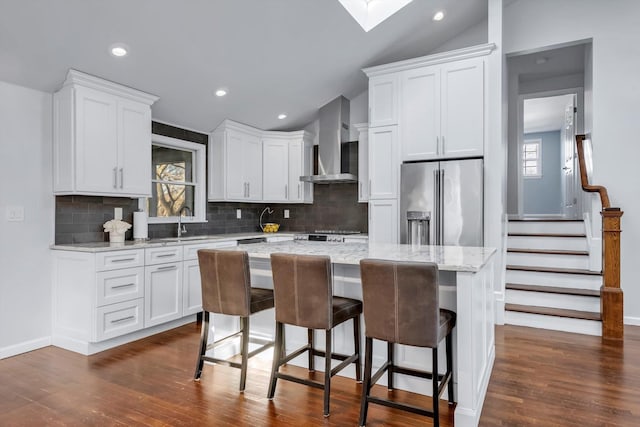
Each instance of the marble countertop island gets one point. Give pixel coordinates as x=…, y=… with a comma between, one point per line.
x=449, y=258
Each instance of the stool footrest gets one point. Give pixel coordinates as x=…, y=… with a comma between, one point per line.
x=299, y=380
x=403, y=406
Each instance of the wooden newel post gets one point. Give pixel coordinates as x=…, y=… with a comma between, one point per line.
x=611, y=297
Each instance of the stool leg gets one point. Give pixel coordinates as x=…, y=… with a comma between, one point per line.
x=356, y=340
x=312, y=357
x=390, y=358
x=434, y=382
x=327, y=372
x=278, y=354
x=244, y=346
x=366, y=385
x=449, y=348
x=204, y=336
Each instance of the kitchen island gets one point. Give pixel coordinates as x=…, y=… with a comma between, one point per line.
x=466, y=278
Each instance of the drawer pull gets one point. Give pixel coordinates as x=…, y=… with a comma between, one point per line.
x=123, y=260
x=123, y=319
x=168, y=267
x=165, y=255
x=122, y=286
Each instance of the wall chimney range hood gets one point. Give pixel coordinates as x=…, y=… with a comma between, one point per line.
x=336, y=163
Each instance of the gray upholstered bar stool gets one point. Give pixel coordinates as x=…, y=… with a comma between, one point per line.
x=226, y=289
x=303, y=288
x=401, y=306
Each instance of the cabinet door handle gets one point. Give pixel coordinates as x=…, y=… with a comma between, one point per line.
x=115, y=177
x=121, y=177
x=286, y=192
x=123, y=319
x=123, y=260
x=248, y=189
x=442, y=144
x=369, y=187
x=126, y=285
x=164, y=255
x=437, y=145
x=166, y=267
x=360, y=190
x=299, y=185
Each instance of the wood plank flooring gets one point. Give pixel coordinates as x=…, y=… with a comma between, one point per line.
x=541, y=378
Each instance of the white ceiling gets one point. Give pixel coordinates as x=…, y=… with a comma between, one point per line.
x=545, y=114
x=273, y=56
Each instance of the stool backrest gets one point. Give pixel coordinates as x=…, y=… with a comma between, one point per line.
x=400, y=301
x=302, y=290
x=226, y=281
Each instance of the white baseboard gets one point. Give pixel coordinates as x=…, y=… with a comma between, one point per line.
x=633, y=321
x=24, y=347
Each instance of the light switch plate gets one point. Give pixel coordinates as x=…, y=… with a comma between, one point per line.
x=15, y=213
x=286, y=213
x=239, y=213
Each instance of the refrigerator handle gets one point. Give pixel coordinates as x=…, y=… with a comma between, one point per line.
x=441, y=213
x=436, y=203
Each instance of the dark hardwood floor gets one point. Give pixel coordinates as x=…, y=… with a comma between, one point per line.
x=540, y=378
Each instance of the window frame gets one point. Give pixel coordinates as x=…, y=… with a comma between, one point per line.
x=538, y=143
x=199, y=180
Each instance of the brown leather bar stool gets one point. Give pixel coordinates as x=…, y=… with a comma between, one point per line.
x=303, y=288
x=226, y=289
x=401, y=306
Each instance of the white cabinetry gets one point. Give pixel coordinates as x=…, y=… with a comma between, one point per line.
x=383, y=162
x=163, y=285
x=383, y=221
x=102, y=138
x=383, y=100
x=442, y=111
x=247, y=164
x=363, y=161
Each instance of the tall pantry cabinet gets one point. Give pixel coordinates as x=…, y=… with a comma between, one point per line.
x=421, y=109
x=102, y=138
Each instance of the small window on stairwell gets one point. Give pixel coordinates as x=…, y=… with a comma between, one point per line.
x=532, y=159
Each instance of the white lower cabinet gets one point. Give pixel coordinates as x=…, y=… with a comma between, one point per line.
x=191, y=288
x=118, y=319
x=383, y=221
x=162, y=293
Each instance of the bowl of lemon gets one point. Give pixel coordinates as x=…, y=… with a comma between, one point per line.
x=270, y=227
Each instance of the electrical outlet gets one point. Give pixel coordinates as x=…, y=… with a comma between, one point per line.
x=286, y=213
x=239, y=213
x=15, y=213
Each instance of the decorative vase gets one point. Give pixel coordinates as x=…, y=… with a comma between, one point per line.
x=115, y=237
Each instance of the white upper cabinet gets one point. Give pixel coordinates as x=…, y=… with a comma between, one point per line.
x=442, y=111
x=463, y=108
x=383, y=162
x=247, y=164
x=102, y=138
x=275, y=167
x=383, y=100
x=235, y=164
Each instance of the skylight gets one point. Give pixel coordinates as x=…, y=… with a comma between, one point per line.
x=369, y=13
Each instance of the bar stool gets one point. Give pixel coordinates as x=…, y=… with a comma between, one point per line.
x=401, y=306
x=303, y=289
x=226, y=289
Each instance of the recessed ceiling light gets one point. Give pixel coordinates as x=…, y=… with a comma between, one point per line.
x=282, y=116
x=541, y=60
x=438, y=16
x=221, y=92
x=119, y=49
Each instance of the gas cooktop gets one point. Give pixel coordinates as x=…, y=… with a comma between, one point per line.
x=326, y=235
x=343, y=232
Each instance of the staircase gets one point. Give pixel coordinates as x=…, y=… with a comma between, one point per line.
x=548, y=283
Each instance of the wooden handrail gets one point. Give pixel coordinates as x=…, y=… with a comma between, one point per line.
x=611, y=296
x=584, y=179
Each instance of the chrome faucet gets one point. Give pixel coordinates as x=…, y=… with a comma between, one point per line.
x=181, y=226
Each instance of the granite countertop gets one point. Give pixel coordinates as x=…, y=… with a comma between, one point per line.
x=152, y=243
x=450, y=258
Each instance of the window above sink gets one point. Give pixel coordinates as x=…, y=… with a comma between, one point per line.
x=178, y=180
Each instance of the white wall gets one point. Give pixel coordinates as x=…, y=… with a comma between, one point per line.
x=25, y=263
x=470, y=37
x=613, y=26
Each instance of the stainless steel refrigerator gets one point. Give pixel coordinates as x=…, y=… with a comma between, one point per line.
x=450, y=192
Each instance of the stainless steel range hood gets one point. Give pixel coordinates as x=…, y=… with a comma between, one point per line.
x=334, y=163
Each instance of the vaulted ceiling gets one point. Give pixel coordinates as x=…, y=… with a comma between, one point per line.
x=273, y=56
